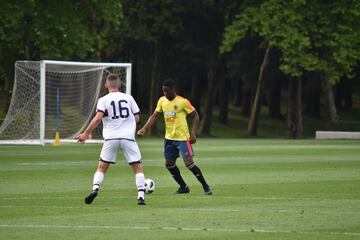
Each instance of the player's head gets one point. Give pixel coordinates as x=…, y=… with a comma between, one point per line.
x=168, y=88
x=112, y=82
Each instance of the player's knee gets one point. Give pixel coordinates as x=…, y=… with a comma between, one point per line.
x=137, y=167
x=170, y=163
x=169, y=166
x=189, y=164
x=103, y=166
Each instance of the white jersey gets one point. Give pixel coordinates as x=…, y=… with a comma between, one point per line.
x=119, y=110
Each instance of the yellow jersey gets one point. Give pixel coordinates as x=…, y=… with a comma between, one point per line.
x=175, y=112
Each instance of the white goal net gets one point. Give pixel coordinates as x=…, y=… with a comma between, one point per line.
x=56, y=96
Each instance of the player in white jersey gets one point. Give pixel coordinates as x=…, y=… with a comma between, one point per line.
x=119, y=114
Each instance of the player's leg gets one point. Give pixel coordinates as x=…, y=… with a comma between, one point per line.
x=187, y=154
x=133, y=156
x=198, y=174
x=107, y=156
x=175, y=173
x=139, y=181
x=100, y=174
x=97, y=180
x=171, y=153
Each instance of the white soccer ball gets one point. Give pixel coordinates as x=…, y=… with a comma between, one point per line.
x=149, y=185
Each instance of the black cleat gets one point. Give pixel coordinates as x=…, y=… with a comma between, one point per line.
x=208, y=191
x=90, y=198
x=141, y=201
x=183, y=190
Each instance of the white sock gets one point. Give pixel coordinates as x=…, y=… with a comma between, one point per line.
x=140, y=184
x=98, y=179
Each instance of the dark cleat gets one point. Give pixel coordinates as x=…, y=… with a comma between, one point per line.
x=141, y=201
x=208, y=191
x=183, y=190
x=90, y=198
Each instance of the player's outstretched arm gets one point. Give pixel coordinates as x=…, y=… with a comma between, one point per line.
x=149, y=123
x=94, y=122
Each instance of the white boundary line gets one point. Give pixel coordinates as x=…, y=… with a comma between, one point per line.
x=113, y=227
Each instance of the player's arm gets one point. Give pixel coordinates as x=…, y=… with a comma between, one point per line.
x=135, y=109
x=94, y=122
x=194, y=125
x=137, y=117
x=149, y=123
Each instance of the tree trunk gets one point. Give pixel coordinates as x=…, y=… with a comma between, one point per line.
x=7, y=93
x=329, y=97
x=275, y=102
x=343, y=94
x=312, y=92
x=294, y=119
x=348, y=92
x=205, y=125
x=195, y=98
x=133, y=58
x=255, y=112
x=224, y=94
x=246, y=102
x=154, y=86
x=238, y=92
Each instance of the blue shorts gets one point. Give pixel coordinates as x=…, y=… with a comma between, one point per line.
x=172, y=148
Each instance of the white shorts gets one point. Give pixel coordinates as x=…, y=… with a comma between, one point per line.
x=129, y=148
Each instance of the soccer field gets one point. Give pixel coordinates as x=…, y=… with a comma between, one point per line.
x=263, y=189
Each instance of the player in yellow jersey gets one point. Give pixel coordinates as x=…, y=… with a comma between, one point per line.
x=175, y=109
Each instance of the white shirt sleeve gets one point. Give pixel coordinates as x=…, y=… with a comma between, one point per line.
x=101, y=105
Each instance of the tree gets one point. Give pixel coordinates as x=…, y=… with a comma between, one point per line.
x=154, y=23
x=274, y=83
x=294, y=121
x=215, y=14
x=311, y=36
x=255, y=112
x=312, y=94
x=36, y=30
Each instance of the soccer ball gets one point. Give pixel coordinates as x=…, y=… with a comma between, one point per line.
x=149, y=185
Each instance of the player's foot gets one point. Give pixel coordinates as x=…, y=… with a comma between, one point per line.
x=141, y=201
x=208, y=191
x=183, y=190
x=90, y=198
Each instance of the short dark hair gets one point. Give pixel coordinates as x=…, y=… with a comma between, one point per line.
x=113, y=80
x=169, y=83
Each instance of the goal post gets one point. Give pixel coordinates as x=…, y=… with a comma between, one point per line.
x=56, y=96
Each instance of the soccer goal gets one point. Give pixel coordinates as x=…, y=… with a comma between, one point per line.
x=56, y=97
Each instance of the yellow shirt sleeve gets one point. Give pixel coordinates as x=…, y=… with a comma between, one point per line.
x=158, y=106
x=188, y=108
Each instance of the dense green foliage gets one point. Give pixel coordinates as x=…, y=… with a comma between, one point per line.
x=263, y=189
x=213, y=49
x=57, y=30
x=311, y=35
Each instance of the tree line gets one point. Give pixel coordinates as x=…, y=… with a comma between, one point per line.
x=244, y=51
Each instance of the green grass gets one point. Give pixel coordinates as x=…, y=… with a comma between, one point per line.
x=263, y=189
